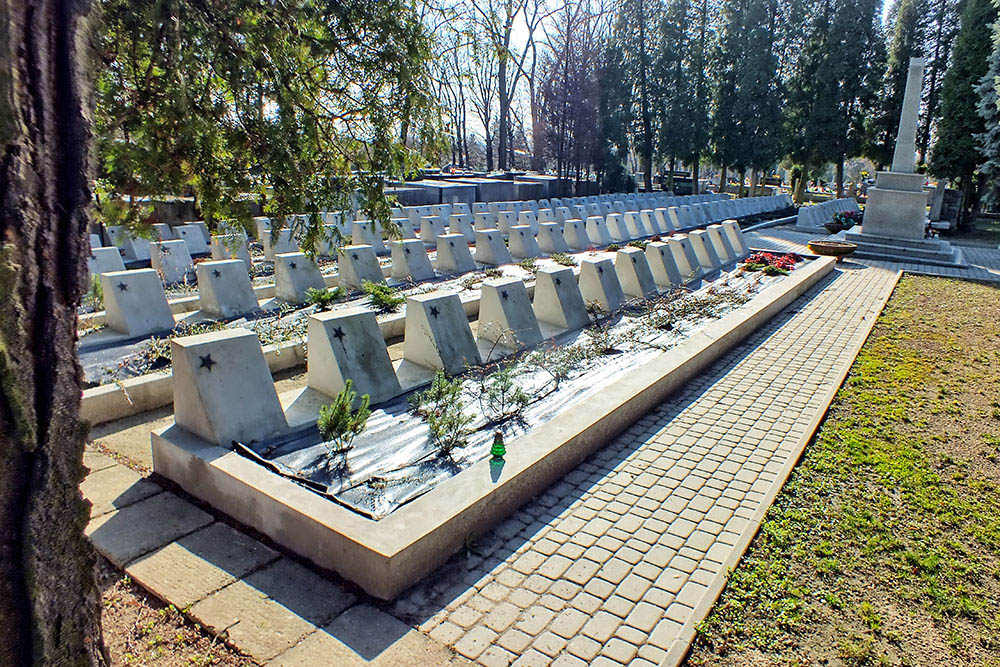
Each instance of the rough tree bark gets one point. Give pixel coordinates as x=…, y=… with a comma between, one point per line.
x=49, y=604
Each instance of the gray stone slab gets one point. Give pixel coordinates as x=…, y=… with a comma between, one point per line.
x=137, y=529
x=192, y=568
x=115, y=487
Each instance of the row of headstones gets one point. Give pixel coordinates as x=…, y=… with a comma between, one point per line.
x=530, y=235
x=812, y=218
x=222, y=374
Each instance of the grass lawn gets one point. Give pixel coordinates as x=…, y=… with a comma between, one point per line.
x=884, y=545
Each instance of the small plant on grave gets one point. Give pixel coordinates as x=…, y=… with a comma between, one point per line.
x=383, y=298
x=493, y=272
x=471, y=282
x=323, y=299
x=528, y=264
x=95, y=294
x=595, y=310
x=602, y=340
x=563, y=258
x=614, y=247
x=638, y=243
x=499, y=397
x=339, y=423
x=442, y=407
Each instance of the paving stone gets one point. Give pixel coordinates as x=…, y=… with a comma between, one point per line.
x=501, y=617
x=474, y=642
x=189, y=569
x=568, y=623
x=302, y=591
x=549, y=643
x=515, y=640
x=532, y=658
x=619, y=650
x=495, y=656
x=534, y=620
x=364, y=635
x=135, y=530
x=113, y=487
x=601, y=626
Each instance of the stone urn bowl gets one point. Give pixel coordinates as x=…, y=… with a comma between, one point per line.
x=834, y=227
x=838, y=249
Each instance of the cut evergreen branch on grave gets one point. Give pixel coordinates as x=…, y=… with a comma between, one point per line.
x=324, y=298
x=528, y=264
x=339, y=422
x=884, y=545
x=499, y=397
x=638, y=243
x=441, y=406
x=383, y=298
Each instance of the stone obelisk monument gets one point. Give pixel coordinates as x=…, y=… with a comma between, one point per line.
x=895, y=218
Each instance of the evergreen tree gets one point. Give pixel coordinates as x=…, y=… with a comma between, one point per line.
x=955, y=155
x=988, y=92
x=634, y=38
x=835, y=82
x=907, y=41
x=942, y=26
x=748, y=121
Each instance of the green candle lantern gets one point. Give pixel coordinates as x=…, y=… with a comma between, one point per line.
x=498, y=450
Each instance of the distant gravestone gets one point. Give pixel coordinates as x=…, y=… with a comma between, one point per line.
x=134, y=302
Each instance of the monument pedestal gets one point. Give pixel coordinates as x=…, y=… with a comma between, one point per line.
x=895, y=222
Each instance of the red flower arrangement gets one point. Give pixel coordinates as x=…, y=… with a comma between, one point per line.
x=770, y=263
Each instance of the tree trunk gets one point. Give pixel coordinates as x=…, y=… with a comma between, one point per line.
x=798, y=192
x=695, y=175
x=754, y=177
x=741, y=191
x=723, y=179
x=646, y=112
x=840, y=177
x=504, y=113
x=49, y=604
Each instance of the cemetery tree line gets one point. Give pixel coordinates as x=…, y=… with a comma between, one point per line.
x=623, y=87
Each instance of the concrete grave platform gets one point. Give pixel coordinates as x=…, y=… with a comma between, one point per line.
x=387, y=556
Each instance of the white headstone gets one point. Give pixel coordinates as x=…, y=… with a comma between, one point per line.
x=134, y=302
x=171, y=259
x=505, y=314
x=599, y=284
x=558, y=300
x=104, y=260
x=224, y=289
x=410, y=261
x=522, y=243
x=633, y=272
x=437, y=333
x=227, y=246
x=357, y=264
x=490, y=248
x=347, y=345
x=453, y=255
x=223, y=390
x=294, y=273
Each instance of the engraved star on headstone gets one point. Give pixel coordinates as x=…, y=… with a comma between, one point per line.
x=92, y=255
x=406, y=250
x=558, y=281
x=207, y=362
x=292, y=266
x=451, y=243
x=633, y=260
x=504, y=295
x=338, y=333
x=354, y=255
x=600, y=269
x=122, y=287
x=435, y=312
x=165, y=250
x=216, y=273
